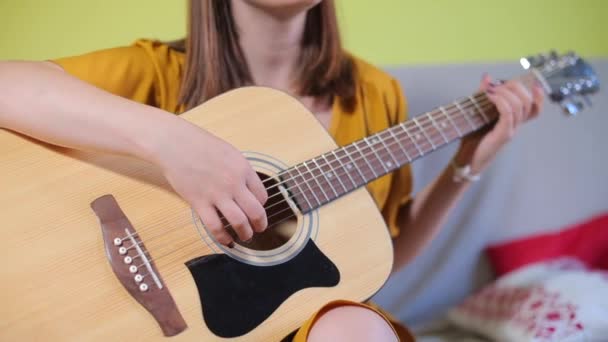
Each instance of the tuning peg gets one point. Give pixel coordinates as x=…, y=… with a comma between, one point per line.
x=532, y=61
x=571, y=106
x=553, y=55
x=572, y=57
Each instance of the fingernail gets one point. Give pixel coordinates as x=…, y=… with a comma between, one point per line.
x=490, y=91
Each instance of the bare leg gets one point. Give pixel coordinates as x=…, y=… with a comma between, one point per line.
x=352, y=324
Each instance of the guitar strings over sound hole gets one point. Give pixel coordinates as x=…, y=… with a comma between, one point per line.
x=282, y=220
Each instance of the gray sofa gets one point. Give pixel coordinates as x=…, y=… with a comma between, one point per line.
x=554, y=173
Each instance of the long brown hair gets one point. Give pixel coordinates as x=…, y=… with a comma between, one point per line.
x=215, y=62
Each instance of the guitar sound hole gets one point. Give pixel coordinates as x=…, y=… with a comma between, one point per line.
x=282, y=221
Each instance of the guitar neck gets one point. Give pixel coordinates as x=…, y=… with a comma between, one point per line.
x=329, y=176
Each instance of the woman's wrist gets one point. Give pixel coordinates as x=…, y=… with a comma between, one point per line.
x=465, y=156
x=157, y=135
x=463, y=167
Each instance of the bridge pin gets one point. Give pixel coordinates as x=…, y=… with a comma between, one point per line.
x=143, y=287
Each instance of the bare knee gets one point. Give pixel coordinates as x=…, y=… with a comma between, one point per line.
x=352, y=324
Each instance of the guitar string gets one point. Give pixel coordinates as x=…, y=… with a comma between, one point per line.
x=275, y=214
x=362, y=156
x=424, y=116
x=458, y=101
x=315, y=186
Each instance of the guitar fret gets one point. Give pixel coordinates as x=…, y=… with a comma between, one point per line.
x=355, y=165
x=390, y=131
x=390, y=148
x=388, y=163
x=451, y=120
x=437, y=126
x=327, y=178
x=314, y=177
x=347, y=172
x=301, y=192
x=424, y=133
x=297, y=168
x=336, y=174
x=466, y=117
x=481, y=112
x=376, y=154
x=365, y=159
x=411, y=138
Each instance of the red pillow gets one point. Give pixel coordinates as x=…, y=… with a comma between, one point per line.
x=586, y=241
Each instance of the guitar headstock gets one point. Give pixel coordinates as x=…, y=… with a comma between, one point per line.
x=568, y=79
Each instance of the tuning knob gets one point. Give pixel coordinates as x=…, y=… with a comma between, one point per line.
x=553, y=55
x=571, y=106
x=532, y=61
x=572, y=57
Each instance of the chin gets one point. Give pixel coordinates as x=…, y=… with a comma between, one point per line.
x=286, y=6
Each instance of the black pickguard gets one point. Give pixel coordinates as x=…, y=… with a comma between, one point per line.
x=237, y=297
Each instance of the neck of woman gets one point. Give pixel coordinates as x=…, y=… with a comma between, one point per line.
x=271, y=43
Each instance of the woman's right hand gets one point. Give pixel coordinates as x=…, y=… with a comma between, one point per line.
x=42, y=101
x=213, y=177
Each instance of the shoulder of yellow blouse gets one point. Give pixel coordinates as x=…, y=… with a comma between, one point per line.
x=160, y=49
x=370, y=74
x=381, y=87
x=168, y=63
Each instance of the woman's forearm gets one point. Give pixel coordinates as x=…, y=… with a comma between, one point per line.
x=422, y=218
x=40, y=100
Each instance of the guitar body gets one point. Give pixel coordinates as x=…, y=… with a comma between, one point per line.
x=57, y=279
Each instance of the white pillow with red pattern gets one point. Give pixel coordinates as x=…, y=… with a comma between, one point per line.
x=560, y=300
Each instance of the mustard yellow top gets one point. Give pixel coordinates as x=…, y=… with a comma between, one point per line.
x=150, y=72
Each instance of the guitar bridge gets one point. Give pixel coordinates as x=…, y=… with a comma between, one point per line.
x=134, y=268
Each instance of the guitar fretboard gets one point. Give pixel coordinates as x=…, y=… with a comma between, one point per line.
x=329, y=176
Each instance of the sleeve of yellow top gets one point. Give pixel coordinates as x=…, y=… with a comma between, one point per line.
x=124, y=71
x=401, y=183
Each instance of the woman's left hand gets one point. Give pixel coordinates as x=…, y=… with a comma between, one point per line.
x=516, y=105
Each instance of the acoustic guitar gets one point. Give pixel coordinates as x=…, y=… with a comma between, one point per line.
x=97, y=247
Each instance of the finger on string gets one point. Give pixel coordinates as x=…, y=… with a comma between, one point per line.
x=237, y=219
x=255, y=185
x=504, y=128
x=209, y=216
x=255, y=212
x=524, y=96
x=514, y=103
x=538, y=98
x=486, y=81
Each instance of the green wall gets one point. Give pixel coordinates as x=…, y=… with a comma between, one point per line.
x=383, y=31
